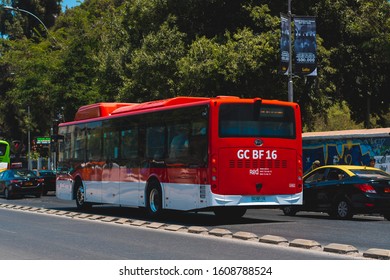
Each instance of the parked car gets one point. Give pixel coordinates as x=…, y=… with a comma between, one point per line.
x=345, y=190
x=20, y=182
x=49, y=177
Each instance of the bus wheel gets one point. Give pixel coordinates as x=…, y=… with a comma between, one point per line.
x=80, y=198
x=289, y=210
x=154, y=199
x=229, y=213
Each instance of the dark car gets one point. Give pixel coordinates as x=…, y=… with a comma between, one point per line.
x=15, y=182
x=345, y=190
x=49, y=177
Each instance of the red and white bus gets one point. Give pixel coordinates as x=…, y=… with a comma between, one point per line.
x=224, y=154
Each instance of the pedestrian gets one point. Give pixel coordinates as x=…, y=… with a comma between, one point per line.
x=315, y=165
x=372, y=162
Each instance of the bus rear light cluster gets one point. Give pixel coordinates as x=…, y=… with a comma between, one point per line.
x=300, y=169
x=214, y=173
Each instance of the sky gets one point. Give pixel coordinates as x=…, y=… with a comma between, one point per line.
x=70, y=3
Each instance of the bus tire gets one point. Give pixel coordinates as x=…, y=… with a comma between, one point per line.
x=154, y=199
x=289, y=210
x=229, y=213
x=80, y=197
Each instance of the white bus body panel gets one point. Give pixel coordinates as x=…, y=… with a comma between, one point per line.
x=182, y=197
x=64, y=189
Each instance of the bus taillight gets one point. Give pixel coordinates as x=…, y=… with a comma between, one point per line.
x=300, y=170
x=214, y=172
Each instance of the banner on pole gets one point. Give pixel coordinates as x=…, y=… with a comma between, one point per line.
x=305, y=46
x=284, y=44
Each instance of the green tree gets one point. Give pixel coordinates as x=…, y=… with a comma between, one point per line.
x=337, y=117
x=153, y=70
x=29, y=84
x=117, y=50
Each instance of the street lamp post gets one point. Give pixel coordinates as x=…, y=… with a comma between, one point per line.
x=31, y=14
x=27, y=12
x=290, y=72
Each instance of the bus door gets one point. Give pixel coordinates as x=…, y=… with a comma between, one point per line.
x=186, y=162
x=129, y=166
x=111, y=168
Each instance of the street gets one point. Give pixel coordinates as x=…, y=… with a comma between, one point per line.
x=362, y=232
x=33, y=236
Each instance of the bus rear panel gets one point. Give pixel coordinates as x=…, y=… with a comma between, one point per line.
x=257, y=158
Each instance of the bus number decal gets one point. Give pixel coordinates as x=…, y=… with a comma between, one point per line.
x=257, y=154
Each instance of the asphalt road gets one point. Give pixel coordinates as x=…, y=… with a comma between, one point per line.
x=34, y=236
x=363, y=232
x=36, y=243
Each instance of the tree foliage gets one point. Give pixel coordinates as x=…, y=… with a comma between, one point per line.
x=139, y=50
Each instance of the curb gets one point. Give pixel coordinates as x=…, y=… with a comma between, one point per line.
x=336, y=248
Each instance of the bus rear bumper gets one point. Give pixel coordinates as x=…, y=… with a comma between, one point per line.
x=256, y=200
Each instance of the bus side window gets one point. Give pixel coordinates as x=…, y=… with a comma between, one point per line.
x=155, y=142
x=198, y=145
x=179, y=143
x=129, y=144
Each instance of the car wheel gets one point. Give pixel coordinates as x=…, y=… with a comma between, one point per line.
x=7, y=194
x=289, y=210
x=154, y=199
x=44, y=193
x=229, y=213
x=343, y=209
x=80, y=198
x=387, y=216
x=38, y=195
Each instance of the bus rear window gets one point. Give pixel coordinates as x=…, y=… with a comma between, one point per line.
x=249, y=120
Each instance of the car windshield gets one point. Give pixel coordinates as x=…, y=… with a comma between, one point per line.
x=23, y=174
x=46, y=173
x=371, y=174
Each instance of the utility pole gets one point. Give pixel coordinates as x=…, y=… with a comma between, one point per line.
x=290, y=72
x=29, y=140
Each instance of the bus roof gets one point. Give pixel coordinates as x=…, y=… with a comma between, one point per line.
x=97, y=110
x=105, y=109
x=159, y=103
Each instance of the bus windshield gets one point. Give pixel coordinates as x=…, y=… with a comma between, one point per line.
x=248, y=120
x=3, y=149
